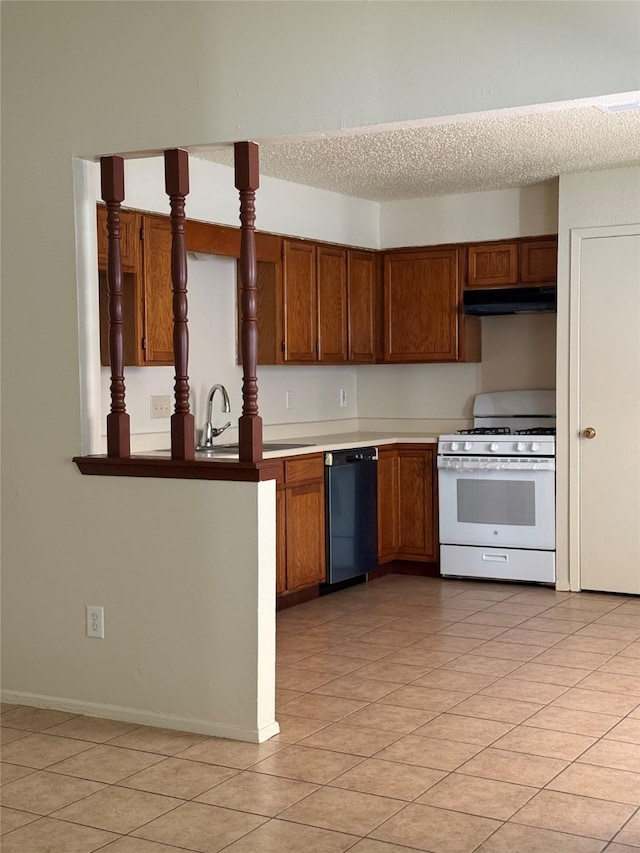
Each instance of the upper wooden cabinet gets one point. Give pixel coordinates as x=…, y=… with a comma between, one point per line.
x=522, y=262
x=328, y=305
x=147, y=289
x=423, y=320
x=539, y=261
x=362, y=298
x=158, y=291
x=300, y=302
x=129, y=239
x=331, y=266
x=493, y=264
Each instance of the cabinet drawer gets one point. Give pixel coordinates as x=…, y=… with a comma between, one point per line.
x=307, y=468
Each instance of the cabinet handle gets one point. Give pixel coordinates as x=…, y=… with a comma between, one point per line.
x=589, y=432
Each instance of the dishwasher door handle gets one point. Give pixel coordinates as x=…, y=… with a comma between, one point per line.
x=342, y=457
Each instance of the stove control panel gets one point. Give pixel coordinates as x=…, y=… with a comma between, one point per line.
x=488, y=445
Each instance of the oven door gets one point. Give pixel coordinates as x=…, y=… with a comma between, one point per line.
x=504, y=503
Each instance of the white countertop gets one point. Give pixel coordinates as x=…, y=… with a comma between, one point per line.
x=316, y=444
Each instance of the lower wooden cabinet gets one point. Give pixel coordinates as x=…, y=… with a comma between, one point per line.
x=407, y=504
x=300, y=533
x=387, y=504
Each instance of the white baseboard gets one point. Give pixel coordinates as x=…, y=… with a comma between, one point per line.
x=142, y=717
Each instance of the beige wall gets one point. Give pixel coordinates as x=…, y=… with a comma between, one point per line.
x=91, y=78
x=517, y=351
x=587, y=200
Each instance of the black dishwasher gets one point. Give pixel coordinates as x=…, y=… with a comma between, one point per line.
x=351, y=491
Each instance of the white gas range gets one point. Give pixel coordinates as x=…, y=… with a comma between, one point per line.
x=497, y=490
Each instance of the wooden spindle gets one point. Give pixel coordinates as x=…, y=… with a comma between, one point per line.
x=176, y=173
x=112, y=188
x=247, y=182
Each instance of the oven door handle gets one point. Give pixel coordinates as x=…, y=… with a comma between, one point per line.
x=468, y=463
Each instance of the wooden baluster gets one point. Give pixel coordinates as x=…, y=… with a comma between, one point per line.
x=112, y=187
x=247, y=182
x=176, y=172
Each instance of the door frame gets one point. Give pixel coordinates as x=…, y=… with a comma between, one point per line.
x=577, y=235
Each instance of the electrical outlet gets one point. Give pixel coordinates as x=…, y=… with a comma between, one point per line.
x=161, y=406
x=289, y=399
x=343, y=397
x=95, y=621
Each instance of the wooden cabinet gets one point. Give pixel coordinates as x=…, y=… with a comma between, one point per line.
x=147, y=289
x=300, y=302
x=539, y=261
x=417, y=525
x=423, y=320
x=407, y=504
x=300, y=534
x=328, y=305
x=387, y=504
x=129, y=239
x=281, y=534
x=158, y=290
x=331, y=265
x=523, y=262
x=362, y=297
x=493, y=264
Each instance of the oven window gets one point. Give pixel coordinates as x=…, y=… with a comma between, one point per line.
x=509, y=502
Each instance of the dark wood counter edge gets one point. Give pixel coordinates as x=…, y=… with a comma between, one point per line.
x=198, y=469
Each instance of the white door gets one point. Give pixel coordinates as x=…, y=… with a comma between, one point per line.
x=609, y=389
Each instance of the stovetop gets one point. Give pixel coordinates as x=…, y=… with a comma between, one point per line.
x=507, y=423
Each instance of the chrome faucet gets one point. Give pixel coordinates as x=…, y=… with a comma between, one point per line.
x=209, y=432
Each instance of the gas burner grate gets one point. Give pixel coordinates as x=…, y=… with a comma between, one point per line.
x=485, y=431
x=537, y=431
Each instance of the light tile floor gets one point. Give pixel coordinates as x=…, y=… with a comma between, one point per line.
x=415, y=713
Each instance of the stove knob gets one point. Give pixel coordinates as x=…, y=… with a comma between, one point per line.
x=494, y=446
x=468, y=445
x=535, y=446
x=454, y=445
x=521, y=446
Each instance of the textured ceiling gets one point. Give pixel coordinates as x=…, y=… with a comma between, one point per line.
x=465, y=154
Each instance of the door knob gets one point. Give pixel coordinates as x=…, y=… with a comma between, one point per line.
x=589, y=432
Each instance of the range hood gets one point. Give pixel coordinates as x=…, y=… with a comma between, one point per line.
x=510, y=300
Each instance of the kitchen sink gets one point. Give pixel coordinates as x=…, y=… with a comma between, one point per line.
x=232, y=449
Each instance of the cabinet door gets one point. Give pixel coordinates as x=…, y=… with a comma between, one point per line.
x=387, y=505
x=129, y=239
x=305, y=558
x=538, y=261
x=132, y=323
x=361, y=300
x=416, y=505
x=281, y=553
x=493, y=264
x=268, y=308
x=300, y=302
x=332, y=304
x=421, y=291
x=158, y=291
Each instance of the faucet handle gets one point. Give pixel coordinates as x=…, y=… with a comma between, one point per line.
x=218, y=431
